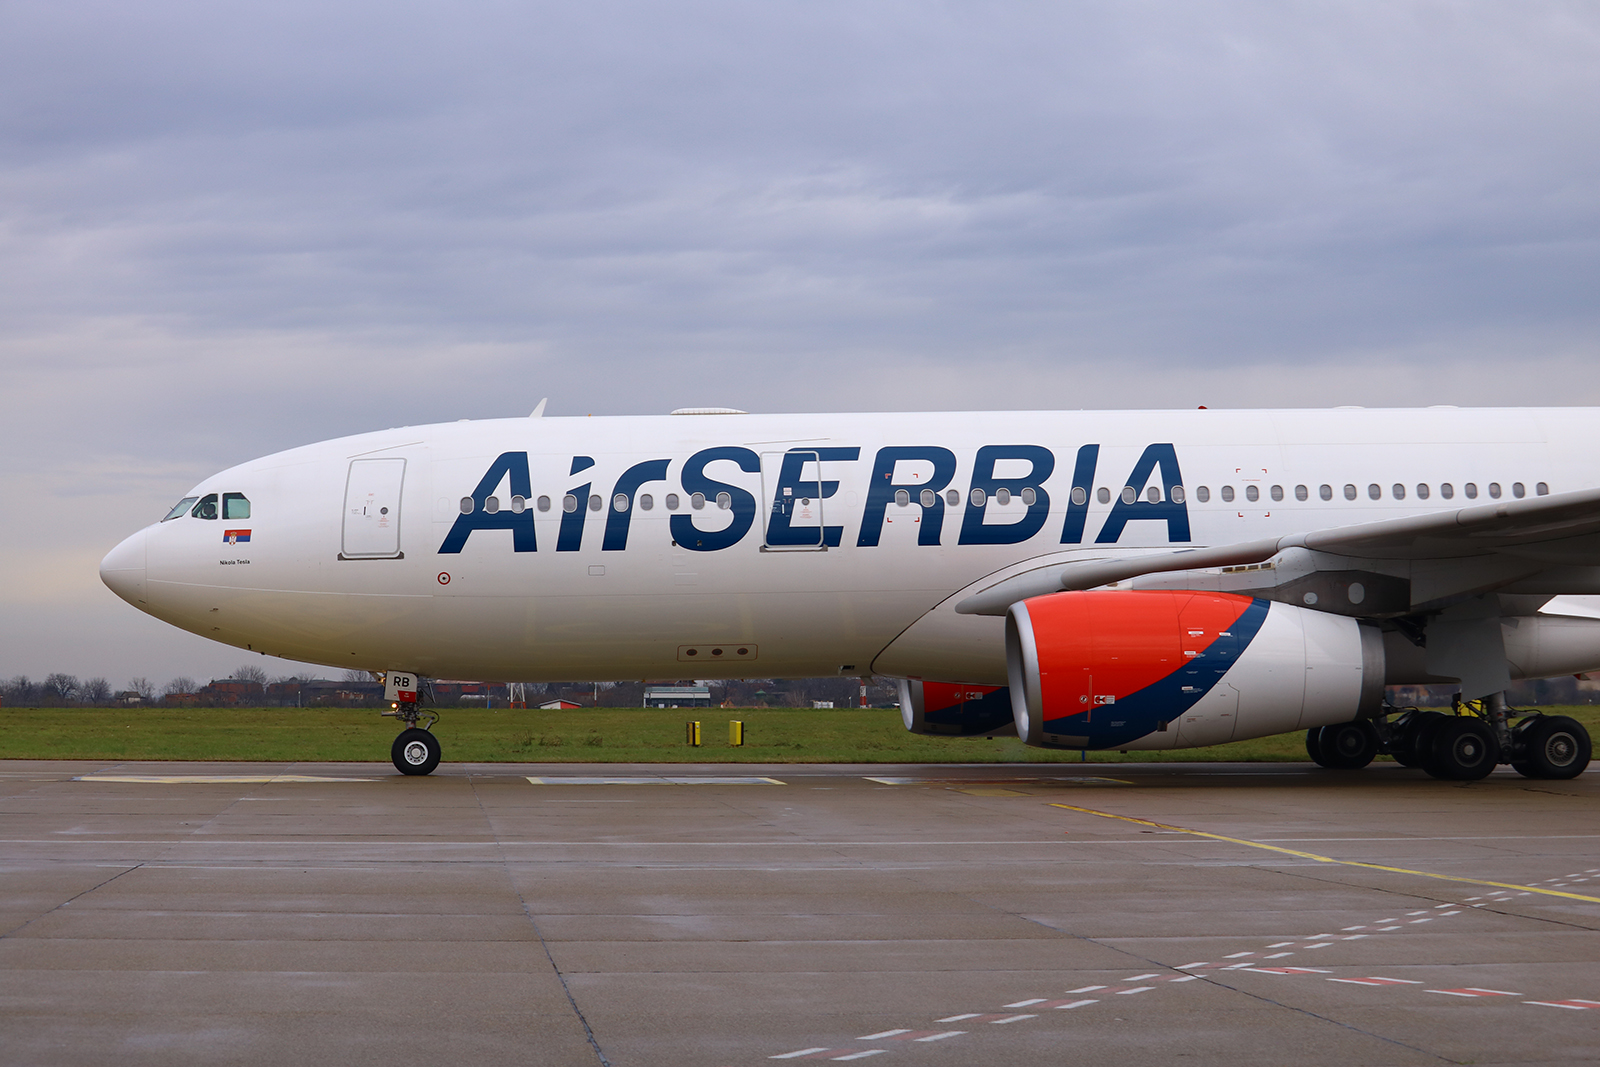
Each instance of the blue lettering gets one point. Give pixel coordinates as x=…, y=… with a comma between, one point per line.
x=1175, y=515
x=974, y=531
x=512, y=465
x=1078, y=501
x=883, y=487
x=617, y=522
x=741, y=502
x=790, y=487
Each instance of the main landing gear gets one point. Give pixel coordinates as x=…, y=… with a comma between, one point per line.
x=416, y=750
x=1462, y=746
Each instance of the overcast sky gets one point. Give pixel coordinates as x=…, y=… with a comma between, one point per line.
x=231, y=228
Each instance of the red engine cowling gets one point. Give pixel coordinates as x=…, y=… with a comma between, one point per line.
x=955, y=709
x=1174, y=669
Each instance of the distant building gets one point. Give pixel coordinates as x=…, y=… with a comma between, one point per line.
x=677, y=696
x=558, y=705
x=822, y=703
x=128, y=697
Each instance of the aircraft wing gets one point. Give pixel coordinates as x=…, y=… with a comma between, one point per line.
x=1560, y=530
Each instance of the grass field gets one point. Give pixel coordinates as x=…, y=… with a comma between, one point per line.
x=589, y=735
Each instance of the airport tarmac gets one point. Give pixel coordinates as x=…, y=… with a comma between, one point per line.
x=719, y=916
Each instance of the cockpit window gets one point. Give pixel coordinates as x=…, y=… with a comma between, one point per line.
x=207, y=508
x=235, y=506
x=181, y=507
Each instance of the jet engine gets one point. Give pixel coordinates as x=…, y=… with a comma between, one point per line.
x=1175, y=669
x=952, y=709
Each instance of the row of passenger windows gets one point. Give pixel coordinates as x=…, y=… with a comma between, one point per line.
x=1028, y=496
x=620, y=502
x=232, y=506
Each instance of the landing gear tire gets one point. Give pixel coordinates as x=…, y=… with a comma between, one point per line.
x=1554, y=746
x=1461, y=749
x=415, y=751
x=1344, y=746
x=1409, y=737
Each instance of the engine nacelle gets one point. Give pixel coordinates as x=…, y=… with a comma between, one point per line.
x=1176, y=669
x=952, y=709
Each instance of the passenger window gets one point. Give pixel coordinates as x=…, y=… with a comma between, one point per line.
x=569, y=503
x=724, y=501
x=1422, y=490
x=1471, y=490
x=544, y=503
x=697, y=501
x=902, y=498
x=646, y=501
x=1103, y=495
x=1302, y=493
x=929, y=498
x=1494, y=490
x=207, y=508
x=1518, y=491
x=619, y=502
x=595, y=503
x=492, y=505
x=1375, y=491
x=1029, y=497
x=978, y=498
x=1227, y=493
x=952, y=497
x=1203, y=494
x=1177, y=494
x=1153, y=494
x=1129, y=494
x=235, y=506
x=519, y=504
x=1252, y=493
x=1542, y=489
x=673, y=501
x=1002, y=496
x=1080, y=496
x=181, y=508
x=1447, y=490
x=1277, y=492
x=1399, y=491
x=1325, y=492
x=1349, y=492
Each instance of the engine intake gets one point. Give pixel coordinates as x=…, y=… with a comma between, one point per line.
x=1175, y=669
x=953, y=709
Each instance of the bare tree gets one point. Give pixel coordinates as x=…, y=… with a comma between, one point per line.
x=180, y=684
x=96, y=691
x=61, y=688
x=358, y=676
x=144, y=687
x=250, y=673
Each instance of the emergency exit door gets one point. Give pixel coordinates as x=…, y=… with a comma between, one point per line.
x=372, y=509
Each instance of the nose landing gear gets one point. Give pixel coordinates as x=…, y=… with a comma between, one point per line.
x=416, y=750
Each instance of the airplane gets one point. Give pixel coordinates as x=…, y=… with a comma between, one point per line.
x=1084, y=580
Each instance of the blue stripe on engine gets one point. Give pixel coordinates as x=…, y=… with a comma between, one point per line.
x=1141, y=713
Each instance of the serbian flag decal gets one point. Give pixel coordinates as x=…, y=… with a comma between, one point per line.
x=234, y=537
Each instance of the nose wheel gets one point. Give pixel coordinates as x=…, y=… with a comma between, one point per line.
x=415, y=751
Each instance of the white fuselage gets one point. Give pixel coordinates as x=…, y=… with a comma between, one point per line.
x=753, y=589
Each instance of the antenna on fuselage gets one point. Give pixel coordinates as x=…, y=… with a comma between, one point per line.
x=538, y=412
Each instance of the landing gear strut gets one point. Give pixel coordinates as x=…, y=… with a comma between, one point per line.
x=1466, y=744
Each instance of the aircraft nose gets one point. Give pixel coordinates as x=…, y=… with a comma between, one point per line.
x=123, y=568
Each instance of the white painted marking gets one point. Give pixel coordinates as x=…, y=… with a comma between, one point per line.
x=1086, y=989
x=1386, y=929
x=1353, y=937
x=1555, y=1004
x=941, y=1037
x=1023, y=1003
x=1075, y=1004
x=950, y=1019
x=860, y=1055
x=1186, y=966
x=1323, y=944
x=1012, y=1019
x=1428, y=919
x=658, y=780
x=1186, y=978
x=1142, y=977
x=1279, y=955
x=1236, y=955
x=1423, y=912
x=1347, y=929
x=1456, y=912
x=215, y=779
x=1281, y=944
x=1236, y=966
x=799, y=1053
x=878, y=1037
x=1313, y=937
x=1136, y=989
x=1450, y=992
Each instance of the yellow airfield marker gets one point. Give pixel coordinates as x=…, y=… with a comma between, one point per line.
x=1330, y=859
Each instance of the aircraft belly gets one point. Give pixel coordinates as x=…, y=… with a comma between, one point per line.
x=945, y=646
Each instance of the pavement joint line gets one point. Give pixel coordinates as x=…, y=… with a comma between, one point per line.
x=1523, y=889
